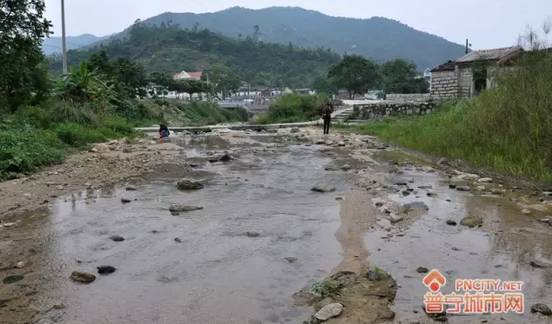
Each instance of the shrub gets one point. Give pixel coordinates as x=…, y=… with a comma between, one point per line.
x=77, y=135
x=294, y=108
x=23, y=149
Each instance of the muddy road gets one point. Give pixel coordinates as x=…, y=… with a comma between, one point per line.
x=263, y=239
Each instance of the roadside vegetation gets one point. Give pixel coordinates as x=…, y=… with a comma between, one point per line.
x=507, y=128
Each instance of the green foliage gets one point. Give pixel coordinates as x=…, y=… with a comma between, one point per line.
x=22, y=78
x=24, y=149
x=85, y=85
x=356, y=74
x=78, y=135
x=222, y=78
x=507, y=128
x=400, y=76
x=294, y=108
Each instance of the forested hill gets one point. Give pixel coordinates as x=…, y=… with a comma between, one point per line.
x=169, y=49
x=377, y=38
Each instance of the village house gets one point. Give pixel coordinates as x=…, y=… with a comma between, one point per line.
x=472, y=73
x=188, y=76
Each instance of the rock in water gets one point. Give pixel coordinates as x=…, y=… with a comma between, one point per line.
x=472, y=221
x=11, y=279
x=323, y=188
x=177, y=208
x=541, y=308
x=186, y=184
x=329, y=311
x=106, y=270
x=125, y=200
x=82, y=277
x=541, y=263
x=451, y=222
x=117, y=238
x=422, y=270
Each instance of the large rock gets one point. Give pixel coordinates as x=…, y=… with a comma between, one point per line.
x=186, y=184
x=179, y=208
x=82, y=277
x=329, y=311
x=323, y=188
x=541, y=308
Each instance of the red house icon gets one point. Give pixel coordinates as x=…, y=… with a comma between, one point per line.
x=434, y=280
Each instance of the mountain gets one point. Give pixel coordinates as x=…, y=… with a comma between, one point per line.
x=52, y=45
x=377, y=38
x=169, y=49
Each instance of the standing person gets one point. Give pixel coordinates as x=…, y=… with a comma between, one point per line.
x=327, y=116
x=163, y=133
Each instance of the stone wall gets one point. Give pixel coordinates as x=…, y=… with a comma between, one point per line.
x=386, y=109
x=408, y=97
x=465, y=82
x=444, y=85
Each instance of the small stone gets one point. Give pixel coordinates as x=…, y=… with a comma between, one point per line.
x=485, y=180
x=422, y=270
x=346, y=167
x=290, y=259
x=117, y=238
x=451, y=222
x=395, y=218
x=177, y=208
x=131, y=188
x=82, y=277
x=526, y=211
x=125, y=200
x=463, y=188
x=186, y=184
x=106, y=270
x=329, y=311
x=20, y=265
x=541, y=308
x=12, y=279
x=177, y=240
x=541, y=263
x=323, y=188
x=252, y=234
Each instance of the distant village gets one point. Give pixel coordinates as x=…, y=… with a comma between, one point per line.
x=464, y=77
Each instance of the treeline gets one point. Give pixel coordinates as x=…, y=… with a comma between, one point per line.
x=358, y=75
x=168, y=49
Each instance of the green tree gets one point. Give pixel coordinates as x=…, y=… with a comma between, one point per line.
x=400, y=76
x=223, y=79
x=324, y=85
x=356, y=74
x=22, y=28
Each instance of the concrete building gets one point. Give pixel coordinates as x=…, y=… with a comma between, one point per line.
x=472, y=73
x=188, y=76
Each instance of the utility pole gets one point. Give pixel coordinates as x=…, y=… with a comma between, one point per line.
x=63, y=40
x=467, y=46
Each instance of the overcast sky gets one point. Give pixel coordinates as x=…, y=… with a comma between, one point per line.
x=487, y=23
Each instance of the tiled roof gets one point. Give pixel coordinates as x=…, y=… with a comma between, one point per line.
x=497, y=54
